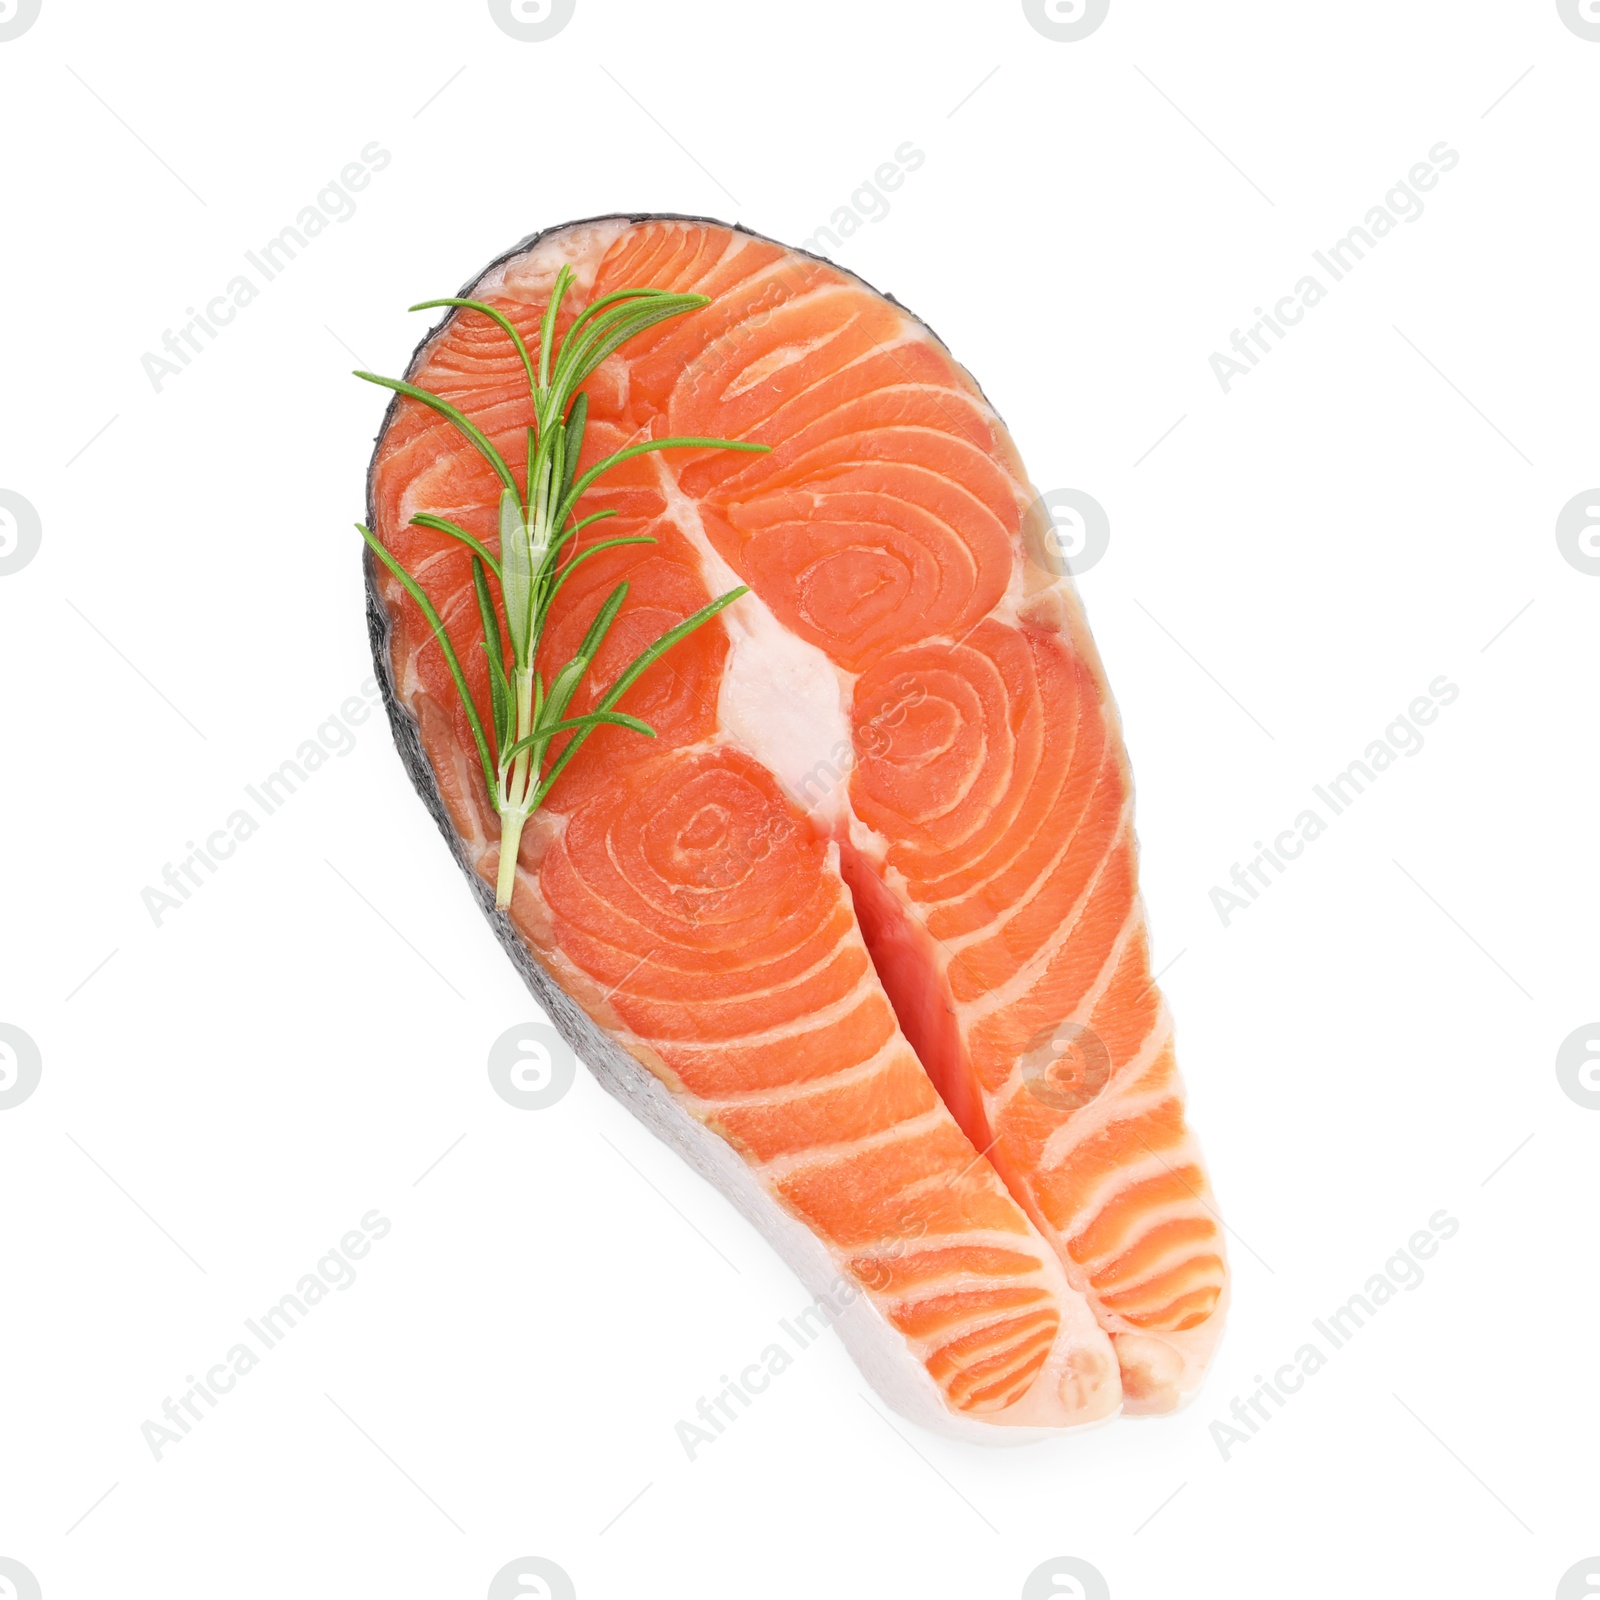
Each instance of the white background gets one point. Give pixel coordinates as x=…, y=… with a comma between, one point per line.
x=225, y=1095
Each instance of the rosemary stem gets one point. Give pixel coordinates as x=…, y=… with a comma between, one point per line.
x=515, y=787
x=511, y=823
x=522, y=680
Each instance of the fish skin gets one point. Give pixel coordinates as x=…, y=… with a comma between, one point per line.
x=1115, y=1339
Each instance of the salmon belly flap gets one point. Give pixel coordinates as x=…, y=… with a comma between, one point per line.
x=863, y=914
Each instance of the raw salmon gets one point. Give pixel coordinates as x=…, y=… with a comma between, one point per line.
x=859, y=931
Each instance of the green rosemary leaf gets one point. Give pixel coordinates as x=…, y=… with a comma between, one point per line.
x=591, y=311
x=581, y=485
x=436, y=622
x=426, y=519
x=489, y=311
x=565, y=683
x=558, y=460
x=500, y=687
x=601, y=626
x=499, y=690
x=577, y=422
x=516, y=580
x=581, y=357
x=596, y=719
x=547, y=328
x=563, y=686
x=593, y=550
x=626, y=678
x=578, y=527
x=585, y=725
x=651, y=653
x=464, y=424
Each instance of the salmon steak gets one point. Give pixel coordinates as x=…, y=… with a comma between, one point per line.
x=858, y=931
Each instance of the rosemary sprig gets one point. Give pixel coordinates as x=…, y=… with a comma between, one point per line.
x=537, y=554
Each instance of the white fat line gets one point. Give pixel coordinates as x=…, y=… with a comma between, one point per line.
x=859, y=399
x=1141, y=1226
x=1175, y=1257
x=834, y=377
x=831, y=489
x=1187, y=1209
x=991, y=929
x=894, y=1247
x=747, y=331
x=822, y=1155
x=461, y=392
x=975, y=773
x=1120, y=1099
x=847, y=288
x=628, y=953
x=834, y=1011
x=921, y=821
x=708, y=1006
x=468, y=773
x=1069, y=1137
x=415, y=501
x=928, y=1289
x=1037, y=966
x=1000, y=1338
x=1149, y=1300
x=1059, y=1151
x=616, y=915
x=774, y=361
x=784, y=478
x=1152, y=1163
x=893, y=1047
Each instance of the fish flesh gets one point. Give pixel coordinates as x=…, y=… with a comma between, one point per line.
x=859, y=931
